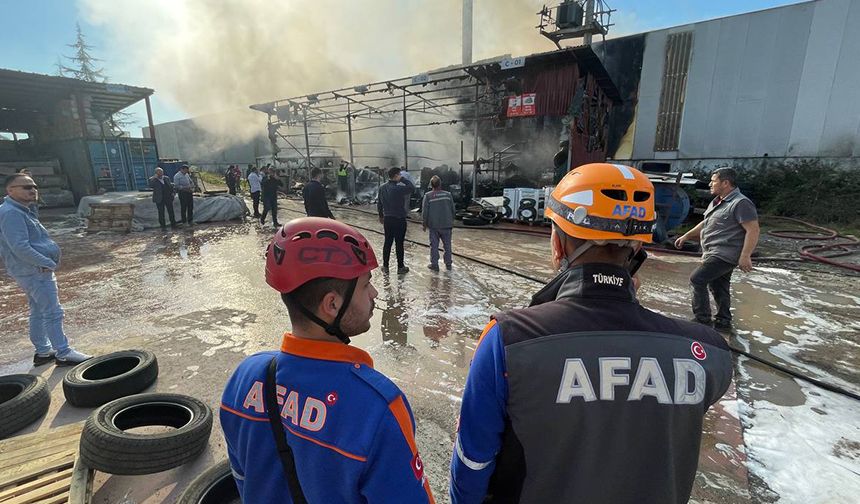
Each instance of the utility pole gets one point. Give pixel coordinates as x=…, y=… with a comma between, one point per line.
x=589, y=20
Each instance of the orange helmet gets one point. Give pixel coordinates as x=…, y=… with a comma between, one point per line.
x=603, y=201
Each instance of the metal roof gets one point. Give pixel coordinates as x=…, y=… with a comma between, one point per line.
x=28, y=94
x=443, y=80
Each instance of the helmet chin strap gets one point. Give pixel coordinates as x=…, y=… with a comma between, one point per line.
x=334, y=328
x=566, y=261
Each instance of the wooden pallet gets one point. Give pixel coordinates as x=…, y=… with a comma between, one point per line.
x=40, y=468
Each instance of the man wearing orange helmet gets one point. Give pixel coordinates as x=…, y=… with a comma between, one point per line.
x=343, y=432
x=586, y=396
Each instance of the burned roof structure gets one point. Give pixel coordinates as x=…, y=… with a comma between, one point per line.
x=569, y=85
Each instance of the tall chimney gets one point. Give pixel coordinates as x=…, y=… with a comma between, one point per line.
x=467, y=32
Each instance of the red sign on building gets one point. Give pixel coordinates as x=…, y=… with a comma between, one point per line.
x=521, y=105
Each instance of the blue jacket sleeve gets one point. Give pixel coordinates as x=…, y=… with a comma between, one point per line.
x=482, y=420
x=13, y=229
x=236, y=468
x=395, y=472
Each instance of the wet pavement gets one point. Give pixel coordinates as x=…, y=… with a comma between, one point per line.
x=196, y=297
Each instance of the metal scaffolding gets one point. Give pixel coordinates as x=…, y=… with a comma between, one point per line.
x=450, y=96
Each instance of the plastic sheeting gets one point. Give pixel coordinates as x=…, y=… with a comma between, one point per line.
x=221, y=207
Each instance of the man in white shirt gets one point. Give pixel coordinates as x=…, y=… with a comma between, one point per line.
x=185, y=187
x=254, y=181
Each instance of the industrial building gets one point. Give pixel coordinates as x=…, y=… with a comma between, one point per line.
x=741, y=90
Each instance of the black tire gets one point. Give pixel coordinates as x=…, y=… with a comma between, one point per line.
x=107, y=447
x=24, y=399
x=528, y=203
x=506, y=201
x=528, y=214
x=509, y=212
x=459, y=215
x=488, y=215
x=215, y=486
x=474, y=221
x=107, y=377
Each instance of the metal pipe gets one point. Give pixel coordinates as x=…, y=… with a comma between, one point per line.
x=149, y=118
x=462, y=146
x=307, y=140
x=475, y=159
x=405, y=139
x=351, y=184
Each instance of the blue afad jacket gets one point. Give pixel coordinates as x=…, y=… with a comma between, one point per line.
x=586, y=397
x=350, y=428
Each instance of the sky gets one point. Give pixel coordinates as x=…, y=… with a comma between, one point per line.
x=201, y=56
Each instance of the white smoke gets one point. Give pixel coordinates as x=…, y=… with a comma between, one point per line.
x=207, y=57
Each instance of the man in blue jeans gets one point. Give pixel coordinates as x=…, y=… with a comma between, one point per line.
x=30, y=258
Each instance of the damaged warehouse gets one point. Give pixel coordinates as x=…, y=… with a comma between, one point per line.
x=515, y=114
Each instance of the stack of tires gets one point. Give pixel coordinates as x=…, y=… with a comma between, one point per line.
x=128, y=433
x=112, y=383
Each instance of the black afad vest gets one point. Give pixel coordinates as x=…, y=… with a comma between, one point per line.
x=605, y=398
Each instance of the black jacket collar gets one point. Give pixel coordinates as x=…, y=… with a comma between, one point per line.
x=594, y=280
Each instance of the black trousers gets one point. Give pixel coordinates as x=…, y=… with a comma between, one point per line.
x=231, y=188
x=255, y=198
x=395, y=232
x=161, y=206
x=716, y=275
x=270, y=203
x=186, y=206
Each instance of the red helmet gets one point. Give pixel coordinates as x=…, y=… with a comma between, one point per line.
x=314, y=247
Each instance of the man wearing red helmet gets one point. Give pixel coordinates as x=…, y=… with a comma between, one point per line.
x=342, y=431
x=586, y=396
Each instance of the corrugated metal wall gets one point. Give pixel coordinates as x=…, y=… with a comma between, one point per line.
x=781, y=82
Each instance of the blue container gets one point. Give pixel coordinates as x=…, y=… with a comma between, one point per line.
x=122, y=164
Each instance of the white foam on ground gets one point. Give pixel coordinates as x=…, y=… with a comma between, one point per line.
x=807, y=454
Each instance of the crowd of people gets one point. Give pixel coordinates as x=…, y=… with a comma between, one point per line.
x=583, y=396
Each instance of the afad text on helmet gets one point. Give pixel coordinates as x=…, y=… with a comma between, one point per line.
x=629, y=211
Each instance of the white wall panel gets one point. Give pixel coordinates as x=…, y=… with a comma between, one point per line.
x=819, y=68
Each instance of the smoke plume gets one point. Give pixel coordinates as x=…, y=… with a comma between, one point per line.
x=206, y=57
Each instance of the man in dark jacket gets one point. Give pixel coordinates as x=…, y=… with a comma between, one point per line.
x=270, y=185
x=437, y=212
x=162, y=196
x=314, y=196
x=391, y=205
x=603, y=397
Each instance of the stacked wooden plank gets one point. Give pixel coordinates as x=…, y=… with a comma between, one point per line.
x=38, y=468
x=110, y=217
x=53, y=183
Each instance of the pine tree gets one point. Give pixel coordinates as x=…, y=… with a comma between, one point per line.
x=83, y=66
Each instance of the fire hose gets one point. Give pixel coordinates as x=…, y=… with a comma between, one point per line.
x=732, y=346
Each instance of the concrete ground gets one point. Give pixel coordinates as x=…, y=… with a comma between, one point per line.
x=196, y=297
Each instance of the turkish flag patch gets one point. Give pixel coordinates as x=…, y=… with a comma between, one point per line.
x=418, y=467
